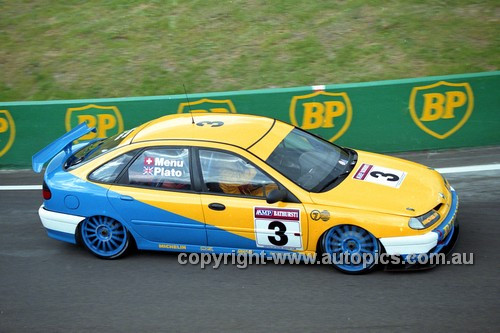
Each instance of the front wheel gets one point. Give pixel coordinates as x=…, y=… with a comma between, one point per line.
x=353, y=250
x=105, y=237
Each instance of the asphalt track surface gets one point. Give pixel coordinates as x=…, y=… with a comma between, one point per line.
x=47, y=285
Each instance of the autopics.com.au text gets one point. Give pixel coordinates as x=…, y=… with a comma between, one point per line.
x=243, y=260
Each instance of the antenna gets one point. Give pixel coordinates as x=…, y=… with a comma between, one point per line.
x=189, y=106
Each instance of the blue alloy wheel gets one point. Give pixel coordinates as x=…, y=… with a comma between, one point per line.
x=352, y=249
x=104, y=236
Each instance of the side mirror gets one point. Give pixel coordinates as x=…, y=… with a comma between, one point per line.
x=275, y=196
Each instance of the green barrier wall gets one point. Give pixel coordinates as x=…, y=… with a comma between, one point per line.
x=385, y=116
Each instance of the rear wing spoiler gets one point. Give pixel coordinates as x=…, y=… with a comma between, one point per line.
x=64, y=142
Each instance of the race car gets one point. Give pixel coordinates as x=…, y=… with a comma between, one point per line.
x=230, y=183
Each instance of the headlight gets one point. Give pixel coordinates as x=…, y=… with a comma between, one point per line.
x=424, y=221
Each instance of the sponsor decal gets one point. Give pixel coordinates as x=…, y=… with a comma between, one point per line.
x=278, y=228
x=160, y=166
x=316, y=215
x=363, y=171
x=447, y=228
x=272, y=213
x=205, y=105
x=7, y=131
x=172, y=246
x=240, y=251
x=161, y=161
x=326, y=114
x=442, y=108
x=325, y=215
x=107, y=120
x=380, y=175
x=210, y=123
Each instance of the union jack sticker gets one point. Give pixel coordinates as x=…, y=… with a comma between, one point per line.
x=148, y=171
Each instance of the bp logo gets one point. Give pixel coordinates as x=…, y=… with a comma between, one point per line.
x=442, y=108
x=324, y=113
x=207, y=105
x=106, y=119
x=7, y=131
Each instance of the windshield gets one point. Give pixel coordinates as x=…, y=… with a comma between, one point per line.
x=96, y=148
x=309, y=161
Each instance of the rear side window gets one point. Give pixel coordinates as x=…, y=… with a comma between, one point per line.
x=108, y=172
x=166, y=168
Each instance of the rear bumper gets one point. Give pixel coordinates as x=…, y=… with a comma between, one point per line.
x=435, y=241
x=60, y=226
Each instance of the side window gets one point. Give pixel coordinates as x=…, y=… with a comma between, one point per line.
x=108, y=172
x=166, y=168
x=230, y=174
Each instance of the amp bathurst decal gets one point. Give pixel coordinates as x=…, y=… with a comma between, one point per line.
x=277, y=228
x=379, y=175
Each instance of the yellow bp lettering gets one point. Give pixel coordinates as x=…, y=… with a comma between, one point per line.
x=454, y=99
x=213, y=110
x=219, y=110
x=442, y=106
x=105, y=122
x=4, y=125
x=433, y=106
x=318, y=115
x=333, y=109
x=313, y=115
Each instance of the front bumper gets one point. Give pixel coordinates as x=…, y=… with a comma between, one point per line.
x=436, y=241
x=60, y=226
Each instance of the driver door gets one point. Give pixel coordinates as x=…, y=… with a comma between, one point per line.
x=235, y=208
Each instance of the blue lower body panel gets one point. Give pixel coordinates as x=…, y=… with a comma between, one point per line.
x=61, y=236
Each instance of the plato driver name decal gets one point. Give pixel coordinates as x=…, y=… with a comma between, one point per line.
x=277, y=228
x=379, y=175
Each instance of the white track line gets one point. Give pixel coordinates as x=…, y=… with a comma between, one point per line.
x=470, y=168
x=20, y=187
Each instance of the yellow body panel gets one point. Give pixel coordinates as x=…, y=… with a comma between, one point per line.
x=187, y=204
x=239, y=130
x=419, y=190
x=264, y=147
x=238, y=217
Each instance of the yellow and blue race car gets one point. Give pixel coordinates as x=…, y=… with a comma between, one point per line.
x=220, y=183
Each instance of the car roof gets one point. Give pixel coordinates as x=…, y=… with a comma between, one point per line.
x=236, y=129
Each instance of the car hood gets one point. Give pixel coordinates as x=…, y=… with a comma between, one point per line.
x=417, y=192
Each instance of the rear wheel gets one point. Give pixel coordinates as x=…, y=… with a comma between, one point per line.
x=352, y=249
x=105, y=237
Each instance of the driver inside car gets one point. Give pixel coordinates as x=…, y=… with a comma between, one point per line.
x=233, y=180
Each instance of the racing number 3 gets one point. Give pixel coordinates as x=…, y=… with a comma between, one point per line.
x=280, y=239
x=390, y=176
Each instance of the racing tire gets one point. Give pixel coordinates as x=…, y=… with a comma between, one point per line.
x=353, y=250
x=105, y=237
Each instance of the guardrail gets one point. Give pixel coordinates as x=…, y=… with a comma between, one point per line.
x=384, y=116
